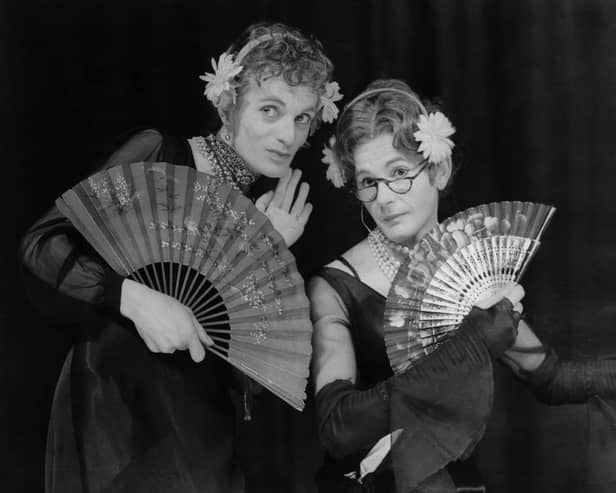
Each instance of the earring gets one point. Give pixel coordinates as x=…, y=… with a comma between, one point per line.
x=363, y=219
x=225, y=134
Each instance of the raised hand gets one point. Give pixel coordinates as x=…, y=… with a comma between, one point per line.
x=512, y=291
x=164, y=324
x=496, y=318
x=287, y=216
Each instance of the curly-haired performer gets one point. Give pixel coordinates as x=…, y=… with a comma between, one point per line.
x=125, y=417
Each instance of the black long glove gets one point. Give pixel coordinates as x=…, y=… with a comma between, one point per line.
x=351, y=420
x=571, y=382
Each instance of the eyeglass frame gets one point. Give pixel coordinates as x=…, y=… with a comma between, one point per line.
x=423, y=163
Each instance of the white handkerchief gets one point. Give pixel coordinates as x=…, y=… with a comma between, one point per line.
x=375, y=456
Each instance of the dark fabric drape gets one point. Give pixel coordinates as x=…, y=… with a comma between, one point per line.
x=529, y=86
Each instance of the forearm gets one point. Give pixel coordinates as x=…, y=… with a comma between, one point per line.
x=53, y=252
x=352, y=421
x=571, y=382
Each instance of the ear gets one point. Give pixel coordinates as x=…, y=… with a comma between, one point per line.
x=442, y=173
x=225, y=109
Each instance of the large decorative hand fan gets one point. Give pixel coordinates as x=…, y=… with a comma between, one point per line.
x=193, y=237
x=462, y=260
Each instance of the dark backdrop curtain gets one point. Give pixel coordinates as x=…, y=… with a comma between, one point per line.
x=528, y=84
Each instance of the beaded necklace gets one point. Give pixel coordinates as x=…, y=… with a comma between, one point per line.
x=387, y=253
x=226, y=163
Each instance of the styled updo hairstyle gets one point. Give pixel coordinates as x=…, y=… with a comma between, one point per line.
x=286, y=52
x=393, y=112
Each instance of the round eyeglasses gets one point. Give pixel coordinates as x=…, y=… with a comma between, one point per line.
x=398, y=185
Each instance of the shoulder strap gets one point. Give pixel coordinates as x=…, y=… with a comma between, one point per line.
x=346, y=263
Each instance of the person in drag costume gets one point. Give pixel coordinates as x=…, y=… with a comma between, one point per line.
x=138, y=407
x=415, y=431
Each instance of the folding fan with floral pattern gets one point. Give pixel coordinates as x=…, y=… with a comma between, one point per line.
x=464, y=259
x=193, y=237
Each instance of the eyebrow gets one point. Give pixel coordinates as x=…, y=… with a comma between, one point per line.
x=388, y=163
x=391, y=161
x=394, y=160
x=273, y=99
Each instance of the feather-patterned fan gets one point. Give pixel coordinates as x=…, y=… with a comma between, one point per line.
x=193, y=237
x=462, y=260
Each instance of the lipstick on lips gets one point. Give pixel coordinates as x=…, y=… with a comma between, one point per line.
x=280, y=156
x=393, y=217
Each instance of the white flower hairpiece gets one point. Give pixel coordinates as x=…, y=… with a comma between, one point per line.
x=220, y=81
x=433, y=137
x=335, y=173
x=328, y=98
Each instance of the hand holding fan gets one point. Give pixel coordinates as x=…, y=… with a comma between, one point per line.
x=193, y=237
x=461, y=261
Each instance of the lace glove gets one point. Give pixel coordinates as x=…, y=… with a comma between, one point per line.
x=352, y=420
x=571, y=382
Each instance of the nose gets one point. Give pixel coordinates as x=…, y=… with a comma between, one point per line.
x=384, y=195
x=286, y=132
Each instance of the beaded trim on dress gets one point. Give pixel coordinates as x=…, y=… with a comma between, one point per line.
x=227, y=164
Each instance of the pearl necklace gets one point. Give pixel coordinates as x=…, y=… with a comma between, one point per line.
x=385, y=253
x=226, y=163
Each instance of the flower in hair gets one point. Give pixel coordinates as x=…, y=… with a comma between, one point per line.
x=328, y=99
x=335, y=173
x=433, y=137
x=220, y=81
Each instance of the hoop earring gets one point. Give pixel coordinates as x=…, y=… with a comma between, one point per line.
x=363, y=219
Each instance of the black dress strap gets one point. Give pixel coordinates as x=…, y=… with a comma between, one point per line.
x=345, y=262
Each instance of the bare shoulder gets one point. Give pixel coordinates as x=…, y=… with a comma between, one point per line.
x=359, y=255
x=362, y=260
x=356, y=256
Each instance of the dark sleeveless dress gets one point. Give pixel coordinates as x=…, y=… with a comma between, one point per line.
x=125, y=419
x=365, y=308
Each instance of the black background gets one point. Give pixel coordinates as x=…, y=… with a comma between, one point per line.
x=529, y=85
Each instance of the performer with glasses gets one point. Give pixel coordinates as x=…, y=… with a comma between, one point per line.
x=129, y=416
x=394, y=154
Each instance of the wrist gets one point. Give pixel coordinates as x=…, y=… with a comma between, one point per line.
x=112, y=290
x=129, y=297
x=496, y=326
x=545, y=372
